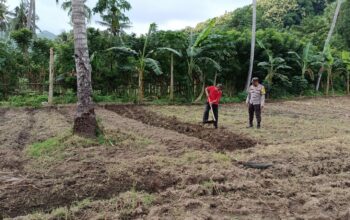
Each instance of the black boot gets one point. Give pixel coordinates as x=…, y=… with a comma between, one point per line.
x=259, y=126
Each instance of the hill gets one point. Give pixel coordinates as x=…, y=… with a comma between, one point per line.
x=47, y=35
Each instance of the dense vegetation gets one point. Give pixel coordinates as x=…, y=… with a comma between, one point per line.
x=289, y=54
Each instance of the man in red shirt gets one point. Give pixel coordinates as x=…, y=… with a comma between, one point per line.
x=214, y=94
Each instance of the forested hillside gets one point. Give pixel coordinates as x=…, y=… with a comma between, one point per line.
x=290, y=54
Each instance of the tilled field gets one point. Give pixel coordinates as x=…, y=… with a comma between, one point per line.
x=219, y=139
x=151, y=165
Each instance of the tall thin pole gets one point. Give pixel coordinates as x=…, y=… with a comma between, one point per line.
x=51, y=75
x=328, y=40
x=172, y=78
x=252, y=50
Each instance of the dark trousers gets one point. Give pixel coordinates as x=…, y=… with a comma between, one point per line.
x=257, y=110
x=216, y=114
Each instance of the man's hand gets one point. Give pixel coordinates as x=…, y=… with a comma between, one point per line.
x=262, y=108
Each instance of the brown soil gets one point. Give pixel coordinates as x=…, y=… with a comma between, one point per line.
x=84, y=174
x=219, y=139
x=177, y=168
x=86, y=124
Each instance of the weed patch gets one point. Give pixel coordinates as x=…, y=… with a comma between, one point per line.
x=55, y=146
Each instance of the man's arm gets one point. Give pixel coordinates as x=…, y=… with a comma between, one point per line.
x=263, y=94
x=248, y=98
x=207, y=94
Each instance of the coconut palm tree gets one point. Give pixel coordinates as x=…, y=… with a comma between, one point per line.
x=67, y=6
x=252, y=51
x=85, y=123
x=329, y=37
x=31, y=15
x=4, y=18
x=113, y=15
x=19, y=20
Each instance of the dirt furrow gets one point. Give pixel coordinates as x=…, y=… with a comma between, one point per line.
x=219, y=139
x=170, y=140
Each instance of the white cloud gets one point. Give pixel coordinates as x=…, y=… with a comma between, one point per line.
x=168, y=14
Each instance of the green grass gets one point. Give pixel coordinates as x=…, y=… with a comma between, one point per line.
x=221, y=158
x=46, y=147
x=55, y=146
x=31, y=99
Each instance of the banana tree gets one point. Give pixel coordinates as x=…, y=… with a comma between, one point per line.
x=326, y=60
x=328, y=39
x=179, y=54
x=304, y=61
x=143, y=60
x=196, y=58
x=346, y=60
x=273, y=66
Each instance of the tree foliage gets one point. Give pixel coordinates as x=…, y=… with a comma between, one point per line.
x=291, y=35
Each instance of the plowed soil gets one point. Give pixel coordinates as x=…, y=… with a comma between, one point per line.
x=219, y=139
x=151, y=165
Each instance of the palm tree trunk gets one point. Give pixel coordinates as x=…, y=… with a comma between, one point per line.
x=51, y=76
x=30, y=15
x=34, y=18
x=141, y=94
x=200, y=96
x=328, y=81
x=85, y=123
x=348, y=83
x=252, y=51
x=172, y=78
x=215, y=79
x=329, y=37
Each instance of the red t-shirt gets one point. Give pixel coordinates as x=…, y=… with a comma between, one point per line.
x=214, y=95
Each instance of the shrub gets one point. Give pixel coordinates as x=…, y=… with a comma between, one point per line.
x=299, y=85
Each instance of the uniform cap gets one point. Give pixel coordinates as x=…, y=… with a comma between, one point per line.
x=255, y=79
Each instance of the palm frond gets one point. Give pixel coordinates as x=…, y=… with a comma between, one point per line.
x=205, y=33
x=178, y=53
x=263, y=64
x=93, y=55
x=283, y=66
x=306, y=52
x=154, y=65
x=208, y=60
x=295, y=54
x=193, y=52
x=123, y=49
x=261, y=44
x=278, y=60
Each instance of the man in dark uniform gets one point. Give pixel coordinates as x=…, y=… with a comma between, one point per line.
x=255, y=101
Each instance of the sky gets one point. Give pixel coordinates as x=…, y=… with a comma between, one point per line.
x=168, y=14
